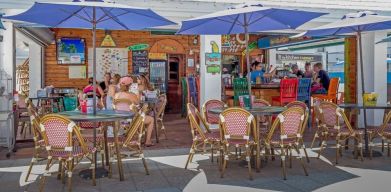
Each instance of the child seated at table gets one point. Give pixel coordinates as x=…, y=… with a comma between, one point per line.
x=124, y=83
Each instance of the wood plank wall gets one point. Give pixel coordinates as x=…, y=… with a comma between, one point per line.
x=57, y=75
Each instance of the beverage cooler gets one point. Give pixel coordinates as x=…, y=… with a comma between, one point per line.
x=158, y=74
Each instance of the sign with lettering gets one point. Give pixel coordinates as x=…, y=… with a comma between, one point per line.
x=138, y=47
x=298, y=57
x=158, y=56
x=272, y=41
x=213, y=62
x=140, y=61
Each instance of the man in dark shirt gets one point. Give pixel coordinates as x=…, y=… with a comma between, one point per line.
x=297, y=71
x=322, y=76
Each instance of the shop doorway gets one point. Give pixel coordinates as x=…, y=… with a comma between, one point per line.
x=174, y=74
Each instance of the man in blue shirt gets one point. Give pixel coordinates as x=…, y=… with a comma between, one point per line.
x=259, y=72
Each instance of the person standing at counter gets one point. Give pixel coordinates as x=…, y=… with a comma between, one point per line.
x=259, y=72
x=308, y=73
x=322, y=81
x=106, y=82
x=296, y=71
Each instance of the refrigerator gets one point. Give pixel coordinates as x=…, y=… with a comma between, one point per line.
x=158, y=75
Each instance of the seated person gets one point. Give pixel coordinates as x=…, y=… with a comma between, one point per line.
x=322, y=81
x=296, y=71
x=88, y=90
x=124, y=93
x=259, y=72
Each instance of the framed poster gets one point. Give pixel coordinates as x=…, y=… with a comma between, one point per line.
x=71, y=51
x=77, y=72
x=190, y=62
x=112, y=60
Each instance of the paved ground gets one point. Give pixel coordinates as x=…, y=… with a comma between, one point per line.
x=167, y=174
x=166, y=163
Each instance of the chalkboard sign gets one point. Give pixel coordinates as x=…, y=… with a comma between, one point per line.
x=140, y=61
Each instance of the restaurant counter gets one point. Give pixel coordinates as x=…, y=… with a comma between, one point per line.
x=261, y=91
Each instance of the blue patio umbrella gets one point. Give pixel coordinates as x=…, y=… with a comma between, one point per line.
x=91, y=14
x=247, y=18
x=1, y=23
x=354, y=24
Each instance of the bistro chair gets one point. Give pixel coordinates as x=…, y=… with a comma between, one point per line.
x=240, y=86
x=238, y=131
x=211, y=118
x=132, y=139
x=332, y=92
x=334, y=124
x=201, y=137
x=244, y=100
x=290, y=122
x=161, y=106
x=39, y=151
x=59, y=134
x=304, y=91
x=303, y=106
x=288, y=92
x=385, y=133
x=22, y=118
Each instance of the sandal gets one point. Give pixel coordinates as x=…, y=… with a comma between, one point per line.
x=149, y=145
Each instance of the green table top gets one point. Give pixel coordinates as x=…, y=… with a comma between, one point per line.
x=101, y=115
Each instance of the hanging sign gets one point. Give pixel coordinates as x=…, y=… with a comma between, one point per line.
x=138, y=47
x=251, y=47
x=157, y=56
x=108, y=42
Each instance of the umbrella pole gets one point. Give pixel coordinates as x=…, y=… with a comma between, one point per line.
x=247, y=59
x=363, y=91
x=94, y=73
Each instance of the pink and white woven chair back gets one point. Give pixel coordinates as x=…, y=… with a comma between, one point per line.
x=57, y=131
x=328, y=114
x=89, y=125
x=260, y=103
x=236, y=122
x=297, y=104
x=291, y=121
x=212, y=118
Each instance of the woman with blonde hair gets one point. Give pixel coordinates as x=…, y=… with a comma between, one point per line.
x=124, y=93
x=112, y=90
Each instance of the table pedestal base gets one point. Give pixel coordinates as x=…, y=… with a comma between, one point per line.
x=100, y=172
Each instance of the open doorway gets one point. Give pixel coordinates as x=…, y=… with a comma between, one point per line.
x=174, y=93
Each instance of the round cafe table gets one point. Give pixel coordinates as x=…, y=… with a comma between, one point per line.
x=102, y=116
x=256, y=111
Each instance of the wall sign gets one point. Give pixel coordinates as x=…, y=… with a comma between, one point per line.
x=231, y=43
x=140, y=61
x=298, y=57
x=77, y=72
x=138, y=47
x=113, y=60
x=157, y=56
x=213, y=62
x=108, y=41
x=272, y=41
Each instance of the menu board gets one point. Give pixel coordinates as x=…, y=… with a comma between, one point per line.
x=140, y=61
